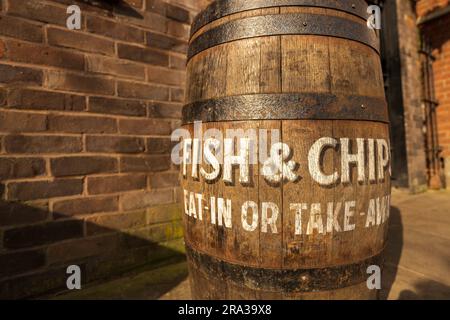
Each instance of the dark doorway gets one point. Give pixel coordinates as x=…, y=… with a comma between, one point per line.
x=390, y=57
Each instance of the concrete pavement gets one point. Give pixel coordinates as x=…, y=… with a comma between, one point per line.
x=418, y=253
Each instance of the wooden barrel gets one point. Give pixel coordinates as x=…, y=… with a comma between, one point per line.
x=298, y=85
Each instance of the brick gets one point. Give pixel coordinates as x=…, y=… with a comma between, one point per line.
x=156, y=6
x=43, y=55
x=176, y=95
x=19, y=98
x=178, y=14
x=34, y=284
x=166, y=76
x=44, y=189
x=20, y=29
x=135, y=3
x=80, y=41
x=164, y=110
x=115, y=30
x=124, y=260
x=116, y=106
x=142, y=55
x=176, y=124
x=42, y=144
x=20, y=75
x=38, y=10
x=149, y=235
x=164, y=180
x=177, y=62
x=141, y=200
x=145, y=164
x=146, y=20
x=145, y=127
x=3, y=97
x=166, y=43
x=41, y=234
x=15, y=213
x=73, y=82
x=16, y=168
x=68, y=208
x=164, y=213
x=162, y=232
x=142, y=91
x=424, y=7
x=111, y=144
x=113, y=184
x=159, y=146
x=2, y=49
x=11, y=121
x=179, y=195
x=20, y=262
x=178, y=229
x=100, y=8
x=178, y=30
x=133, y=239
x=115, y=67
x=77, y=166
x=111, y=222
x=81, y=124
x=82, y=248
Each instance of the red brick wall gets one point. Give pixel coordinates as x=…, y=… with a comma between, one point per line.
x=85, y=120
x=438, y=31
x=424, y=7
x=440, y=36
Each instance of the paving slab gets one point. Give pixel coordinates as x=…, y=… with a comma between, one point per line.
x=418, y=251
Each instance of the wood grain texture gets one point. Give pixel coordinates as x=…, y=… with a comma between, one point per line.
x=290, y=64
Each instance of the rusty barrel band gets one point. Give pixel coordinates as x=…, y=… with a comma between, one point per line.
x=284, y=24
x=287, y=106
x=222, y=8
x=283, y=280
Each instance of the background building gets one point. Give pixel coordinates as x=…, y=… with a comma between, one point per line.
x=416, y=42
x=86, y=115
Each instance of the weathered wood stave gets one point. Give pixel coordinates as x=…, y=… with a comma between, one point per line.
x=307, y=86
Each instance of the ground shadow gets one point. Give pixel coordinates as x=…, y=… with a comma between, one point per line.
x=426, y=290
x=393, y=252
x=423, y=289
x=30, y=269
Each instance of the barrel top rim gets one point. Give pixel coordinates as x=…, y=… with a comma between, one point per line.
x=288, y=24
x=222, y=8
